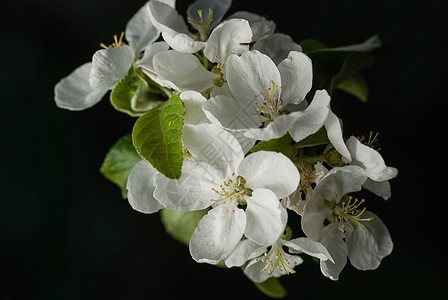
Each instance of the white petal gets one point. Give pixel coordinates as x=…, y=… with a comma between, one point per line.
x=219, y=8
x=370, y=160
x=221, y=91
x=333, y=241
x=192, y=191
x=74, y=91
x=140, y=32
x=245, y=142
x=244, y=251
x=217, y=234
x=334, y=133
x=266, y=217
x=341, y=181
x=146, y=62
x=213, y=145
x=305, y=245
x=314, y=215
x=275, y=129
x=140, y=187
x=366, y=250
x=172, y=25
x=261, y=28
x=193, y=107
x=270, y=170
x=312, y=118
x=229, y=37
x=379, y=188
x=227, y=113
x=184, y=71
x=110, y=66
x=165, y=18
x=182, y=42
x=277, y=46
x=297, y=77
x=249, y=75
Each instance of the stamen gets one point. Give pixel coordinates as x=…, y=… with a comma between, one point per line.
x=347, y=212
x=118, y=42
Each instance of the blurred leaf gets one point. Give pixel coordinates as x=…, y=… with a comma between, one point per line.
x=119, y=162
x=356, y=86
x=181, y=224
x=339, y=66
x=282, y=145
x=272, y=288
x=157, y=136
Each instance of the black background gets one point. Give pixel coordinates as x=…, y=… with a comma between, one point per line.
x=66, y=233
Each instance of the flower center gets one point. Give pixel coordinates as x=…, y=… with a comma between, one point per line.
x=348, y=213
x=278, y=259
x=271, y=105
x=203, y=26
x=232, y=190
x=307, y=175
x=118, y=42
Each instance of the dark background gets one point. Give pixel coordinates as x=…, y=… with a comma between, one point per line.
x=66, y=233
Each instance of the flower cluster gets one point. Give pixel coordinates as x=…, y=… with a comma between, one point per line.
x=232, y=129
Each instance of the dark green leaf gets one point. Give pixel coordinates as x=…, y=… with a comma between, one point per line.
x=283, y=145
x=119, y=162
x=356, y=86
x=157, y=136
x=272, y=288
x=338, y=66
x=316, y=139
x=311, y=46
x=181, y=224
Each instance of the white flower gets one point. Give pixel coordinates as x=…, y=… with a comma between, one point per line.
x=264, y=93
x=183, y=71
x=221, y=177
x=274, y=262
x=261, y=28
x=373, y=164
x=203, y=14
x=354, y=233
x=88, y=84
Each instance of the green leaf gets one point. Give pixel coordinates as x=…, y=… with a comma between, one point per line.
x=316, y=139
x=368, y=45
x=283, y=145
x=119, y=162
x=181, y=224
x=157, y=136
x=272, y=288
x=356, y=86
x=313, y=46
x=133, y=96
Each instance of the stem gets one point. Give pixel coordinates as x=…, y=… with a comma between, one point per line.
x=205, y=61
